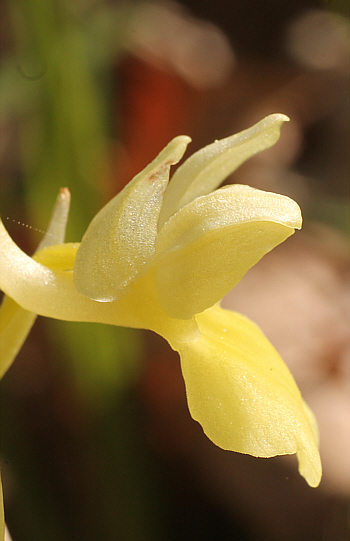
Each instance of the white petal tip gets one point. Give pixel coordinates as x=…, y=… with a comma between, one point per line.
x=278, y=117
x=176, y=148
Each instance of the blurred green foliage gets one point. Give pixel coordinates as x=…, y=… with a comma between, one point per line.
x=56, y=97
x=56, y=89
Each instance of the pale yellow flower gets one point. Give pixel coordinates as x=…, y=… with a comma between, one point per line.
x=161, y=257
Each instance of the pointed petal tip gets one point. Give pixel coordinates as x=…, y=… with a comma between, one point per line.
x=176, y=149
x=64, y=193
x=310, y=467
x=278, y=117
x=56, y=230
x=182, y=139
x=271, y=124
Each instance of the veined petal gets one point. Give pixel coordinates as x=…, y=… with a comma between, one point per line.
x=243, y=395
x=205, y=170
x=15, y=322
x=119, y=244
x=204, y=250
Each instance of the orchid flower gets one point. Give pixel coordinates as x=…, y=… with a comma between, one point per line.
x=161, y=257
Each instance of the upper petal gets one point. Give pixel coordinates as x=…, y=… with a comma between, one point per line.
x=205, y=170
x=119, y=244
x=56, y=231
x=243, y=395
x=206, y=248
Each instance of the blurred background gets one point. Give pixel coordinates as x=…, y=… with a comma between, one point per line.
x=96, y=438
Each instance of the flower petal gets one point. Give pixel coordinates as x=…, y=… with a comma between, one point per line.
x=56, y=232
x=15, y=322
x=119, y=244
x=45, y=286
x=15, y=325
x=243, y=395
x=39, y=289
x=206, y=248
x=205, y=170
